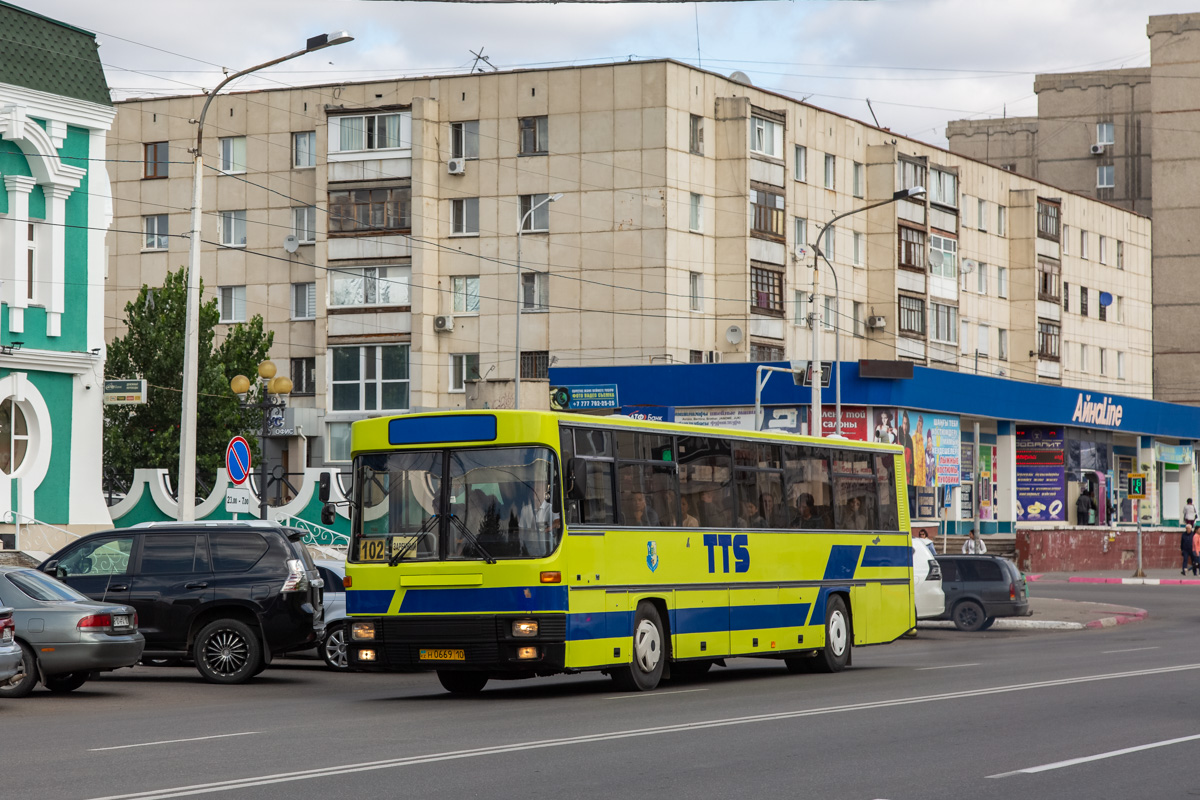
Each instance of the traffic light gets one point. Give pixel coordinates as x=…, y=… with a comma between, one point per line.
x=1137, y=486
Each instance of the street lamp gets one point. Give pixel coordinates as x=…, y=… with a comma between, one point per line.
x=818, y=253
x=520, y=228
x=273, y=392
x=191, y=335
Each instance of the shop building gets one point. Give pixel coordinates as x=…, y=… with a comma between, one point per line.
x=981, y=451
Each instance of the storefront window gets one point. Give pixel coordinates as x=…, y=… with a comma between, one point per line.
x=14, y=437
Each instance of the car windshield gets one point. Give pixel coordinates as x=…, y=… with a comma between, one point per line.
x=456, y=504
x=42, y=587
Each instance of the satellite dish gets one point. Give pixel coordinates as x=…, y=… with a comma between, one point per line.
x=733, y=334
x=968, y=266
x=291, y=243
x=740, y=77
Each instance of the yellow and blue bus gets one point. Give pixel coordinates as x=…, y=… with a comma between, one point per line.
x=512, y=544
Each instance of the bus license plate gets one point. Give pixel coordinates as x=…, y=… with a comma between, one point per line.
x=443, y=655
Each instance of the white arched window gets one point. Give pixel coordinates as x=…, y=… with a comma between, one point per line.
x=14, y=436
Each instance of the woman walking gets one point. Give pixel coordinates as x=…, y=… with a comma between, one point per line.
x=1185, y=548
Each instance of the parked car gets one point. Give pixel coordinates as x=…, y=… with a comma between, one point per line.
x=333, y=643
x=10, y=651
x=927, y=581
x=980, y=588
x=228, y=595
x=64, y=638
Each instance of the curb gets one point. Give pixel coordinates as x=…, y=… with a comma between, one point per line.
x=1121, y=619
x=1137, y=581
x=1018, y=623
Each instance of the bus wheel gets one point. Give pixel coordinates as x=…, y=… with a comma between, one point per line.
x=836, y=654
x=646, y=669
x=462, y=682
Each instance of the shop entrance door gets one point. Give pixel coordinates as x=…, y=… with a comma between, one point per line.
x=1168, y=510
x=1125, y=505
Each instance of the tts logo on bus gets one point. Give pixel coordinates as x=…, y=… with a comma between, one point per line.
x=727, y=541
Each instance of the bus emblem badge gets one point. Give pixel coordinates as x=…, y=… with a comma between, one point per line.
x=652, y=555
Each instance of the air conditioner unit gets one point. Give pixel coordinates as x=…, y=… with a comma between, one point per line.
x=1097, y=149
x=456, y=166
x=712, y=357
x=876, y=323
x=442, y=324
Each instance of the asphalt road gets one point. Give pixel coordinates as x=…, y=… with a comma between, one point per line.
x=1042, y=714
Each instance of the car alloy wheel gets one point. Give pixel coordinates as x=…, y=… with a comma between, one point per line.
x=227, y=651
x=333, y=648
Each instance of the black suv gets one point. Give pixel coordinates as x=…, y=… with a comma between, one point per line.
x=228, y=595
x=980, y=588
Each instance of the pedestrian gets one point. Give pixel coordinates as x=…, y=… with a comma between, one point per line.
x=974, y=546
x=1196, y=552
x=1084, y=507
x=1185, y=548
x=1189, y=513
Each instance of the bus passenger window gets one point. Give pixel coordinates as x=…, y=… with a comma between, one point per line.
x=647, y=495
x=593, y=443
x=597, y=507
x=885, y=476
x=810, y=487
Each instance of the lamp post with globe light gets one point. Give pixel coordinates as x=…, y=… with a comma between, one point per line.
x=273, y=392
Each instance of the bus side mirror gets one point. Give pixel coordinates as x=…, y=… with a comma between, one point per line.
x=323, y=488
x=327, y=514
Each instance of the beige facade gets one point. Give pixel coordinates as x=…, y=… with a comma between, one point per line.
x=690, y=208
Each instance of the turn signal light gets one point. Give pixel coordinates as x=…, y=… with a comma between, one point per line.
x=366, y=655
x=347, y=582
x=551, y=577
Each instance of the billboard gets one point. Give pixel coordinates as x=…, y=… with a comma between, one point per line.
x=1041, y=474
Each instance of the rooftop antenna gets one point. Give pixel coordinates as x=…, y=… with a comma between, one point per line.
x=877, y=125
x=481, y=57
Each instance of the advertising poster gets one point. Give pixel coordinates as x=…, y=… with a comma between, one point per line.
x=943, y=440
x=1041, y=475
x=854, y=422
x=931, y=444
x=986, y=488
x=578, y=398
x=780, y=419
x=650, y=413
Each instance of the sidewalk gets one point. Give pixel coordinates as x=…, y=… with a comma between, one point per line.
x=1154, y=577
x=1062, y=615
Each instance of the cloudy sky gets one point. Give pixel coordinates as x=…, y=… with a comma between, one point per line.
x=920, y=62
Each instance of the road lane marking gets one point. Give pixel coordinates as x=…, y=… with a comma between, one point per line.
x=946, y=666
x=647, y=696
x=1070, y=762
x=172, y=741
x=1130, y=650
x=392, y=763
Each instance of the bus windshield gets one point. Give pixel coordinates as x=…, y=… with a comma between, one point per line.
x=456, y=504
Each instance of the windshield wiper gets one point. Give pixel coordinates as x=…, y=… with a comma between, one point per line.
x=399, y=555
x=470, y=537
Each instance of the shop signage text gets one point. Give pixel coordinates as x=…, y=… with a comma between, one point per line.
x=1106, y=412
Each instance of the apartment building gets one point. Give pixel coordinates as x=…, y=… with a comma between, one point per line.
x=1125, y=136
x=660, y=214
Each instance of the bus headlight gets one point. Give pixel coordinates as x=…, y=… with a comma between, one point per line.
x=362, y=631
x=525, y=627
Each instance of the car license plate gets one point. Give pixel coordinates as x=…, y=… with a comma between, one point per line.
x=443, y=655
x=120, y=620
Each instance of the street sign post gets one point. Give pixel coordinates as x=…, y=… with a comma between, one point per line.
x=1137, y=491
x=237, y=500
x=237, y=460
x=124, y=393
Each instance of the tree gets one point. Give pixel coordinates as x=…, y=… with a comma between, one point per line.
x=147, y=436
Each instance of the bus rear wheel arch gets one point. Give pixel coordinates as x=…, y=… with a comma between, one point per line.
x=839, y=641
x=649, y=656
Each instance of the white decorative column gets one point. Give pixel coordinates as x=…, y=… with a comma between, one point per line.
x=16, y=239
x=51, y=269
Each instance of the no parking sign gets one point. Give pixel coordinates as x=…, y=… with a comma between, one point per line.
x=237, y=460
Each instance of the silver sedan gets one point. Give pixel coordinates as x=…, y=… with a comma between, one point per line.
x=64, y=637
x=10, y=651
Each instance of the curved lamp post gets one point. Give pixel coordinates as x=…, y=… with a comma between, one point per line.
x=273, y=392
x=520, y=228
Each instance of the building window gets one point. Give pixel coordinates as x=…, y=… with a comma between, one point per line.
x=464, y=139
x=982, y=210
x=801, y=232
x=943, y=323
x=232, y=303
x=911, y=174
x=800, y=312
x=1102, y=311
x=765, y=352
x=964, y=337
x=1104, y=133
x=1103, y=249
x=157, y=234
x=1047, y=218
x=463, y=367
x=304, y=301
x=304, y=376
x=829, y=318
x=1066, y=240
x=370, y=286
x=943, y=256
x=981, y=282
x=535, y=291
x=1120, y=366
x=1083, y=300
x=30, y=260
x=304, y=149
x=912, y=248
x=154, y=164
x=304, y=224
x=534, y=135
x=233, y=228
x=695, y=213
x=984, y=340
x=339, y=441
x=695, y=356
x=1048, y=340
x=768, y=212
x=464, y=291
x=912, y=315
x=372, y=378
x=539, y=220
x=801, y=168
x=1103, y=359
x=14, y=436
x=1002, y=281
x=860, y=180
x=858, y=319
x=766, y=137
x=1083, y=245
x=860, y=249
x=696, y=134
x=233, y=154
x=766, y=291
x=1105, y=178
x=830, y=171
x=464, y=216
x=827, y=246
x=1002, y=344
x=1120, y=254
x=695, y=290
x=348, y=134
x=1001, y=220
x=1120, y=309
x=1049, y=281
x=370, y=210
x=535, y=365
x=1066, y=296
x=943, y=188
x=1083, y=357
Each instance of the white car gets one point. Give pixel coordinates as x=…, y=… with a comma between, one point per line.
x=927, y=581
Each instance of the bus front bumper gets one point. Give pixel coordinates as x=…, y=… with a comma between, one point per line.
x=473, y=642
